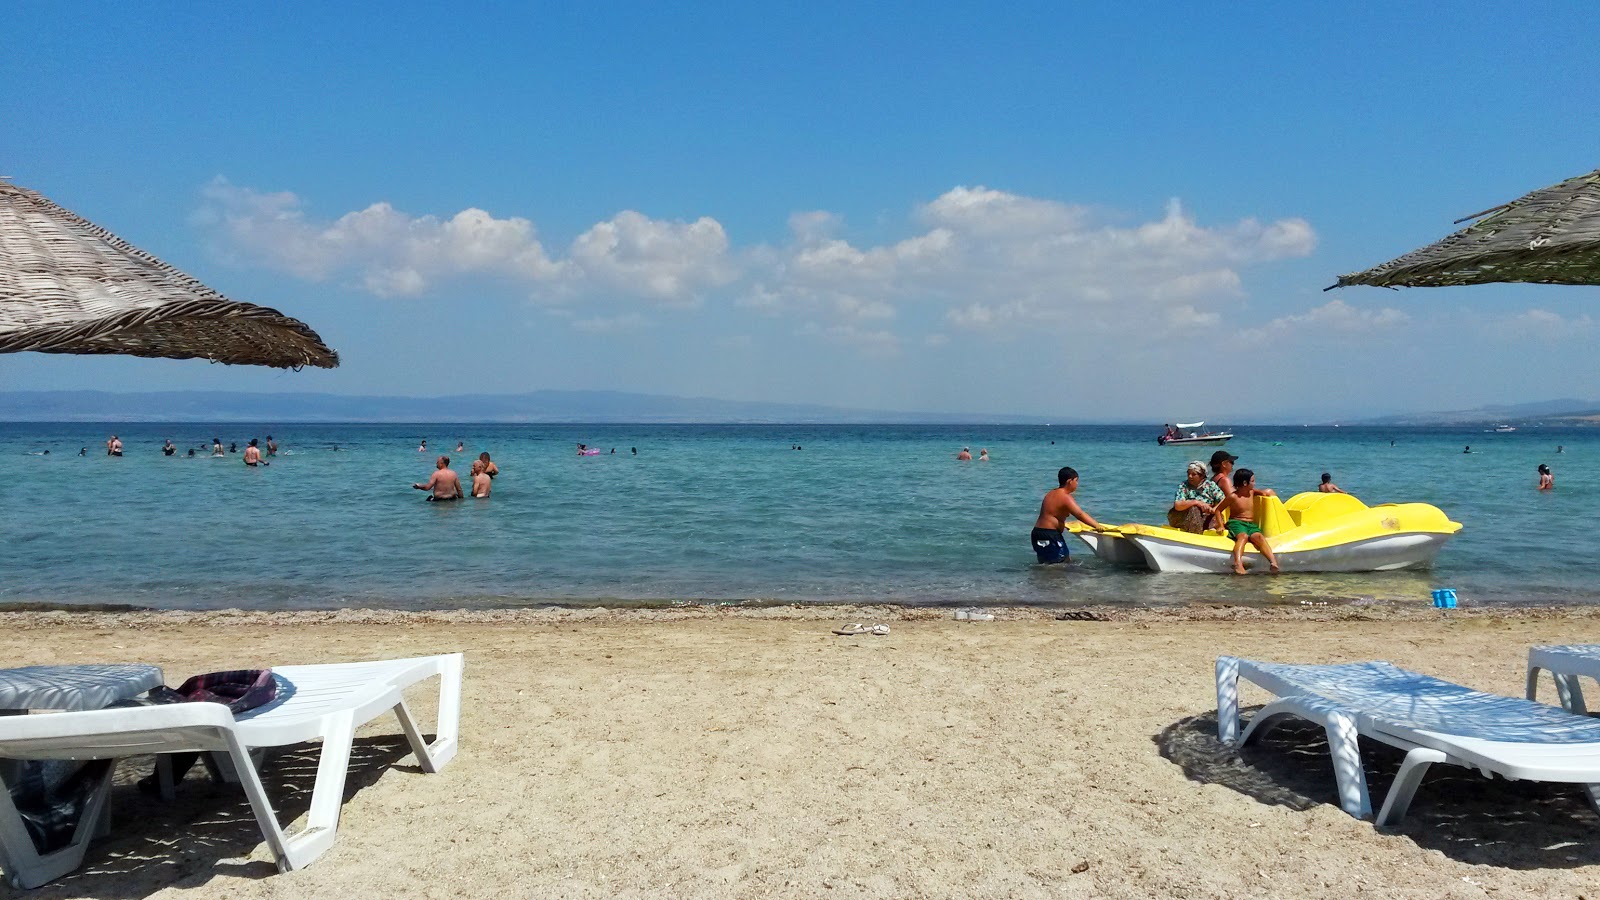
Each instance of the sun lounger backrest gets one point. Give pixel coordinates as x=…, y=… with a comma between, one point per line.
x=1403, y=700
x=114, y=733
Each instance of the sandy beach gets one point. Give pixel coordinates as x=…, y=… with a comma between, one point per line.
x=728, y=752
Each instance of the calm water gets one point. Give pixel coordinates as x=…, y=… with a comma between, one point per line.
x=864, y=513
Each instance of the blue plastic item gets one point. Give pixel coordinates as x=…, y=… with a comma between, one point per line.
x=1444, y=598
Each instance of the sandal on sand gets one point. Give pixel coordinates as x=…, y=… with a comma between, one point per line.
x=852, y=629
x=880, y=629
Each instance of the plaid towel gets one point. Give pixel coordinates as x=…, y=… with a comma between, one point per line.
x=238, y=690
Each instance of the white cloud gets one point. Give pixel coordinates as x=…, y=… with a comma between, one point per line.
x=978, y=259
x=1540, y=324
x=611, y=324
x=1335, y=316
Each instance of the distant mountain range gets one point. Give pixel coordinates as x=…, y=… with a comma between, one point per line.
x=1548, y=412
x=534, y=407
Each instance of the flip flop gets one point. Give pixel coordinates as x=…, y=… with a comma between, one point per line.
x=852, y=629
x=880, y=629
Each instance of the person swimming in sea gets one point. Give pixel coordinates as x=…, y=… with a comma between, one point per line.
x=1467, y=449
x=1547, y=479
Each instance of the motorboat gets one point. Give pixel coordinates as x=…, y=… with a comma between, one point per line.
x=1312, y=532
x=1183, y=434
x=1504, y=429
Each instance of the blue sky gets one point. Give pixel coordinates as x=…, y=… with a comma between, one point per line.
x=1084, y=210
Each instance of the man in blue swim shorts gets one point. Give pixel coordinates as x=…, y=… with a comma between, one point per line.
x=1049, y=541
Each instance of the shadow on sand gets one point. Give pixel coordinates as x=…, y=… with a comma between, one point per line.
x=209, y=829
x=1477, y=820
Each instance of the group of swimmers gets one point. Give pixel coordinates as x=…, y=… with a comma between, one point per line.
x=983, y=454
x=445, y=484
x=253, y=455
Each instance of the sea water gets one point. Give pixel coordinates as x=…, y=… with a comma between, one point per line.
x=759, y=513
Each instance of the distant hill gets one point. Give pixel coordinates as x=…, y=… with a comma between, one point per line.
x=535, y=407
x=1547, y=412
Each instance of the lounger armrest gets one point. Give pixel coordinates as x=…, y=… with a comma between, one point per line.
x=112, y=733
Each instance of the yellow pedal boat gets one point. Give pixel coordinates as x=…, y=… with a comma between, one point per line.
x=1313, y=532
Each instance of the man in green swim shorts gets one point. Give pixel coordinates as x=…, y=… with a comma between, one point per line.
x=1242, y=527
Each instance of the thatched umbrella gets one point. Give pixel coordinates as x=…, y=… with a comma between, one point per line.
x=69, y=286
x=1551, y=236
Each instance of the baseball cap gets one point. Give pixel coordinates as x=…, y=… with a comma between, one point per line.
x=1218, y=457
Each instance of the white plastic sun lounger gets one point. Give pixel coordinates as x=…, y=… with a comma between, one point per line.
x=1434, y=721
x=320, y=702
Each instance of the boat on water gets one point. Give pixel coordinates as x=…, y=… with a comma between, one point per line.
x=1503, y=429
x=1183, y=434
x=1313, y=532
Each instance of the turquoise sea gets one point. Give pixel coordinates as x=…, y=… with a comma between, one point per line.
x=732, y=513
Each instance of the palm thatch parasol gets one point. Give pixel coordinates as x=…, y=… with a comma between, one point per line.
x=69, y=286
x=1551, y=236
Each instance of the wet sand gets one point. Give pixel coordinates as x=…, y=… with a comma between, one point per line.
x=748, y=752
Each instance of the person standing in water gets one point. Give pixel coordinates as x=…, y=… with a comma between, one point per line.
x=272, y=446
x=1048, y=537
x=252, y=454
x=965, y=454
x=1547, y=479
x=481, y=482
x=168, y=448
x=1327, y=486
x=983, y=455
x=444, y=484
x=489, y=468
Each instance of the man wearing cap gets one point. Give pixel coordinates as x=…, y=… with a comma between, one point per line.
x=1195, y=501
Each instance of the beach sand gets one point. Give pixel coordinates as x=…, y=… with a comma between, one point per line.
x=748, y=752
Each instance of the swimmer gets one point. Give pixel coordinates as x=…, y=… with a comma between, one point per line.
x=168, y=448
x=489, y=468
x=83, y=451
x=233, y=446
x=636, y=451
x=461, y=447
x=1547, y=479
x=983, y=455
x=114, y=446
x=481, y=482
x=272, y=446
x=191, y=453
x=252, y=455
x=1560, y=449
x=444, y=484
x=1327, y=486
x=964, y=455
x=423, y=447
x=1467, y=449
x=216, y=446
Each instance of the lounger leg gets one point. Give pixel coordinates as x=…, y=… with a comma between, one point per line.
x=327, y=796
x=1228, y=699
x=1591, y=792
x=24, y=865
x=1571, y=691
x=1348, y=774
x=1405, y=784
x=1532, y=692
x=433, y=757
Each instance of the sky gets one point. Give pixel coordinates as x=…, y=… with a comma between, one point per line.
x=1097, y=211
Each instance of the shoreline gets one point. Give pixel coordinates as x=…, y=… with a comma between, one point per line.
x=809, y=612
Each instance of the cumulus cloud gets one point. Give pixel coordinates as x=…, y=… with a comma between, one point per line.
x=1335, y=316
x=976, y=259
x=392, y=253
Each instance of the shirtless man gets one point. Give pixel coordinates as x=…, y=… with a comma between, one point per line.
x=964, y=455
x=252, y=454
x=1242, y=527
x=480, y=479
x=444, y=484
x=489, y=468
x=1049, y=542
x=1327, y=486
